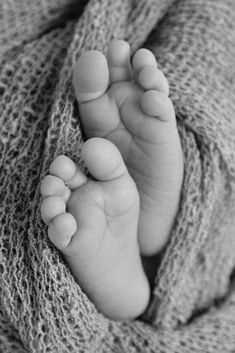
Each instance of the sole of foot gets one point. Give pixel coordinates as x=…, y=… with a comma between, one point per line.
x=93, y=222
x=127, y=103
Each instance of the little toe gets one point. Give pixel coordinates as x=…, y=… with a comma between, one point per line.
x=157, y=104
x=90, y=76
x=51, y=207
x=61, y=230
x=143, y=57
x=118, y=56
x=150, y=78
x=65, y=169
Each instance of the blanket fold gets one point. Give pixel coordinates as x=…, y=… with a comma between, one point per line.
x=42, y=308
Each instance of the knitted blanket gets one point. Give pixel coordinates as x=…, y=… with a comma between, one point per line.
x=42, y=308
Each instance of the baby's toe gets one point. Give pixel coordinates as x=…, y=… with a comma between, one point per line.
x=143, y=57
x=111, y=164
x=61, y=230
x=146, y=72
x=54, y=186
x=157, y=104
x=51, y=207
x=150, y=78
x=65, y=169
x=90, y=76
x=118, y=56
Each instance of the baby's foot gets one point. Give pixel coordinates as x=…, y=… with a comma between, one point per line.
x=94, y=224
x=130, y=107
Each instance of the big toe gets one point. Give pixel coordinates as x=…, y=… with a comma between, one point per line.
x=110, y=170
x=111, y=164
x=90, y=76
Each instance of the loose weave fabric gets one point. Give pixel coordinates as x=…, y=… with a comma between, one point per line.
x=42, y=308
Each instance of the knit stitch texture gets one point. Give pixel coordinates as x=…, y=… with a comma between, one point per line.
x=42, y=308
